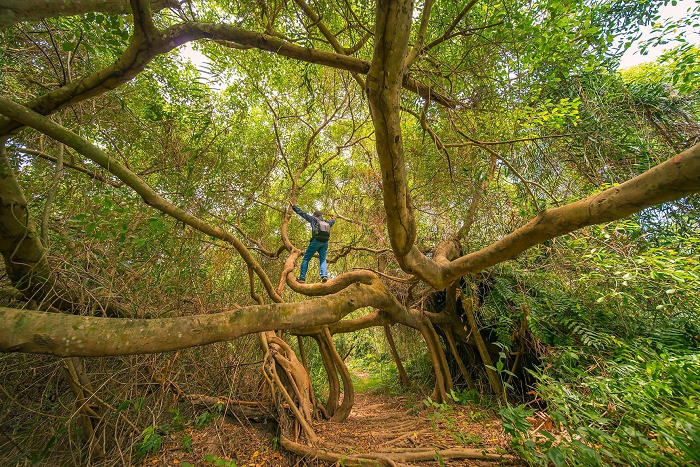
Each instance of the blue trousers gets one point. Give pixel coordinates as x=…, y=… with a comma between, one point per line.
x=314, y=246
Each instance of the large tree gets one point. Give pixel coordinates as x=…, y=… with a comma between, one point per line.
x=450, y=138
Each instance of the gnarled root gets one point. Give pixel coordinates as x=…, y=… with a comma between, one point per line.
x=402, y=457
x=332, y=375
x=333, y=364
x=348, y=389
x=278, y=353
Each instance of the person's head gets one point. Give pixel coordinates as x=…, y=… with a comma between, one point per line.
x=317, y=214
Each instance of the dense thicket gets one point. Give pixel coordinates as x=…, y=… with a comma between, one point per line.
x=479, y=155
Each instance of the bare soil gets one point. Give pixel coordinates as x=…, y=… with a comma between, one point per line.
x=377, y=423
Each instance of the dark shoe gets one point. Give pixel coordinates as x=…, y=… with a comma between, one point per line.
x=301, y=281
x=324, y=279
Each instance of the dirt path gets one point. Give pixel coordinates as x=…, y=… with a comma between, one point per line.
x=381, y=423
x=377, y=423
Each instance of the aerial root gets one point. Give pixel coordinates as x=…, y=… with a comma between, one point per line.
x=443, y=379
x=403, y=376
x=345, y=407
x=332, y=375
x=397, y=458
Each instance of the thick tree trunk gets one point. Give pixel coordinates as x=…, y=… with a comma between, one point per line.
x=20, y=244
x=392, y=31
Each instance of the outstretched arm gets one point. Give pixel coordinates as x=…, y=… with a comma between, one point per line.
x=332, y=221
x=300, y=212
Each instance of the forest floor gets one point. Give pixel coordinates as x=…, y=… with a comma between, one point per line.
x=378, y=422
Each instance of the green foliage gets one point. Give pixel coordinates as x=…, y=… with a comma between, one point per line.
x=443, y=414
x=551, y=114
x=152, y=440
x=219, y=461
x=203, y=419
x=620, y=377
x=383, y=376
x=640, y=408
x=186, y=443
x=468, y=397
x=178, y=420
x=612, y=311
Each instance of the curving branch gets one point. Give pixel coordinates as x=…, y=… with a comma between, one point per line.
x=418, y=46
x=78, y=168
x=142, y=49
x=375, y=318
x=318, y=22
x=83, y=336
x=332, y=286
x=45, y=125
x=677, y=177
x=20, y=243
x=448, y=32
x=16, y=11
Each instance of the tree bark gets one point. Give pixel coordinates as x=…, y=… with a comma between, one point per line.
x=392, y=31
x=142, y=50
x=71, y=335
x=20, y=244
x=331, y=374
x=345, y=407
x=16, y=11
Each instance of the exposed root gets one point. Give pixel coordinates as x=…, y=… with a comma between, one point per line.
x=306, y=427
x=399, y=457
x=304, y=451
x=295, y=372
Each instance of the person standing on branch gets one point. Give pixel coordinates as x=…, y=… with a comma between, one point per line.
x=320, y=233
